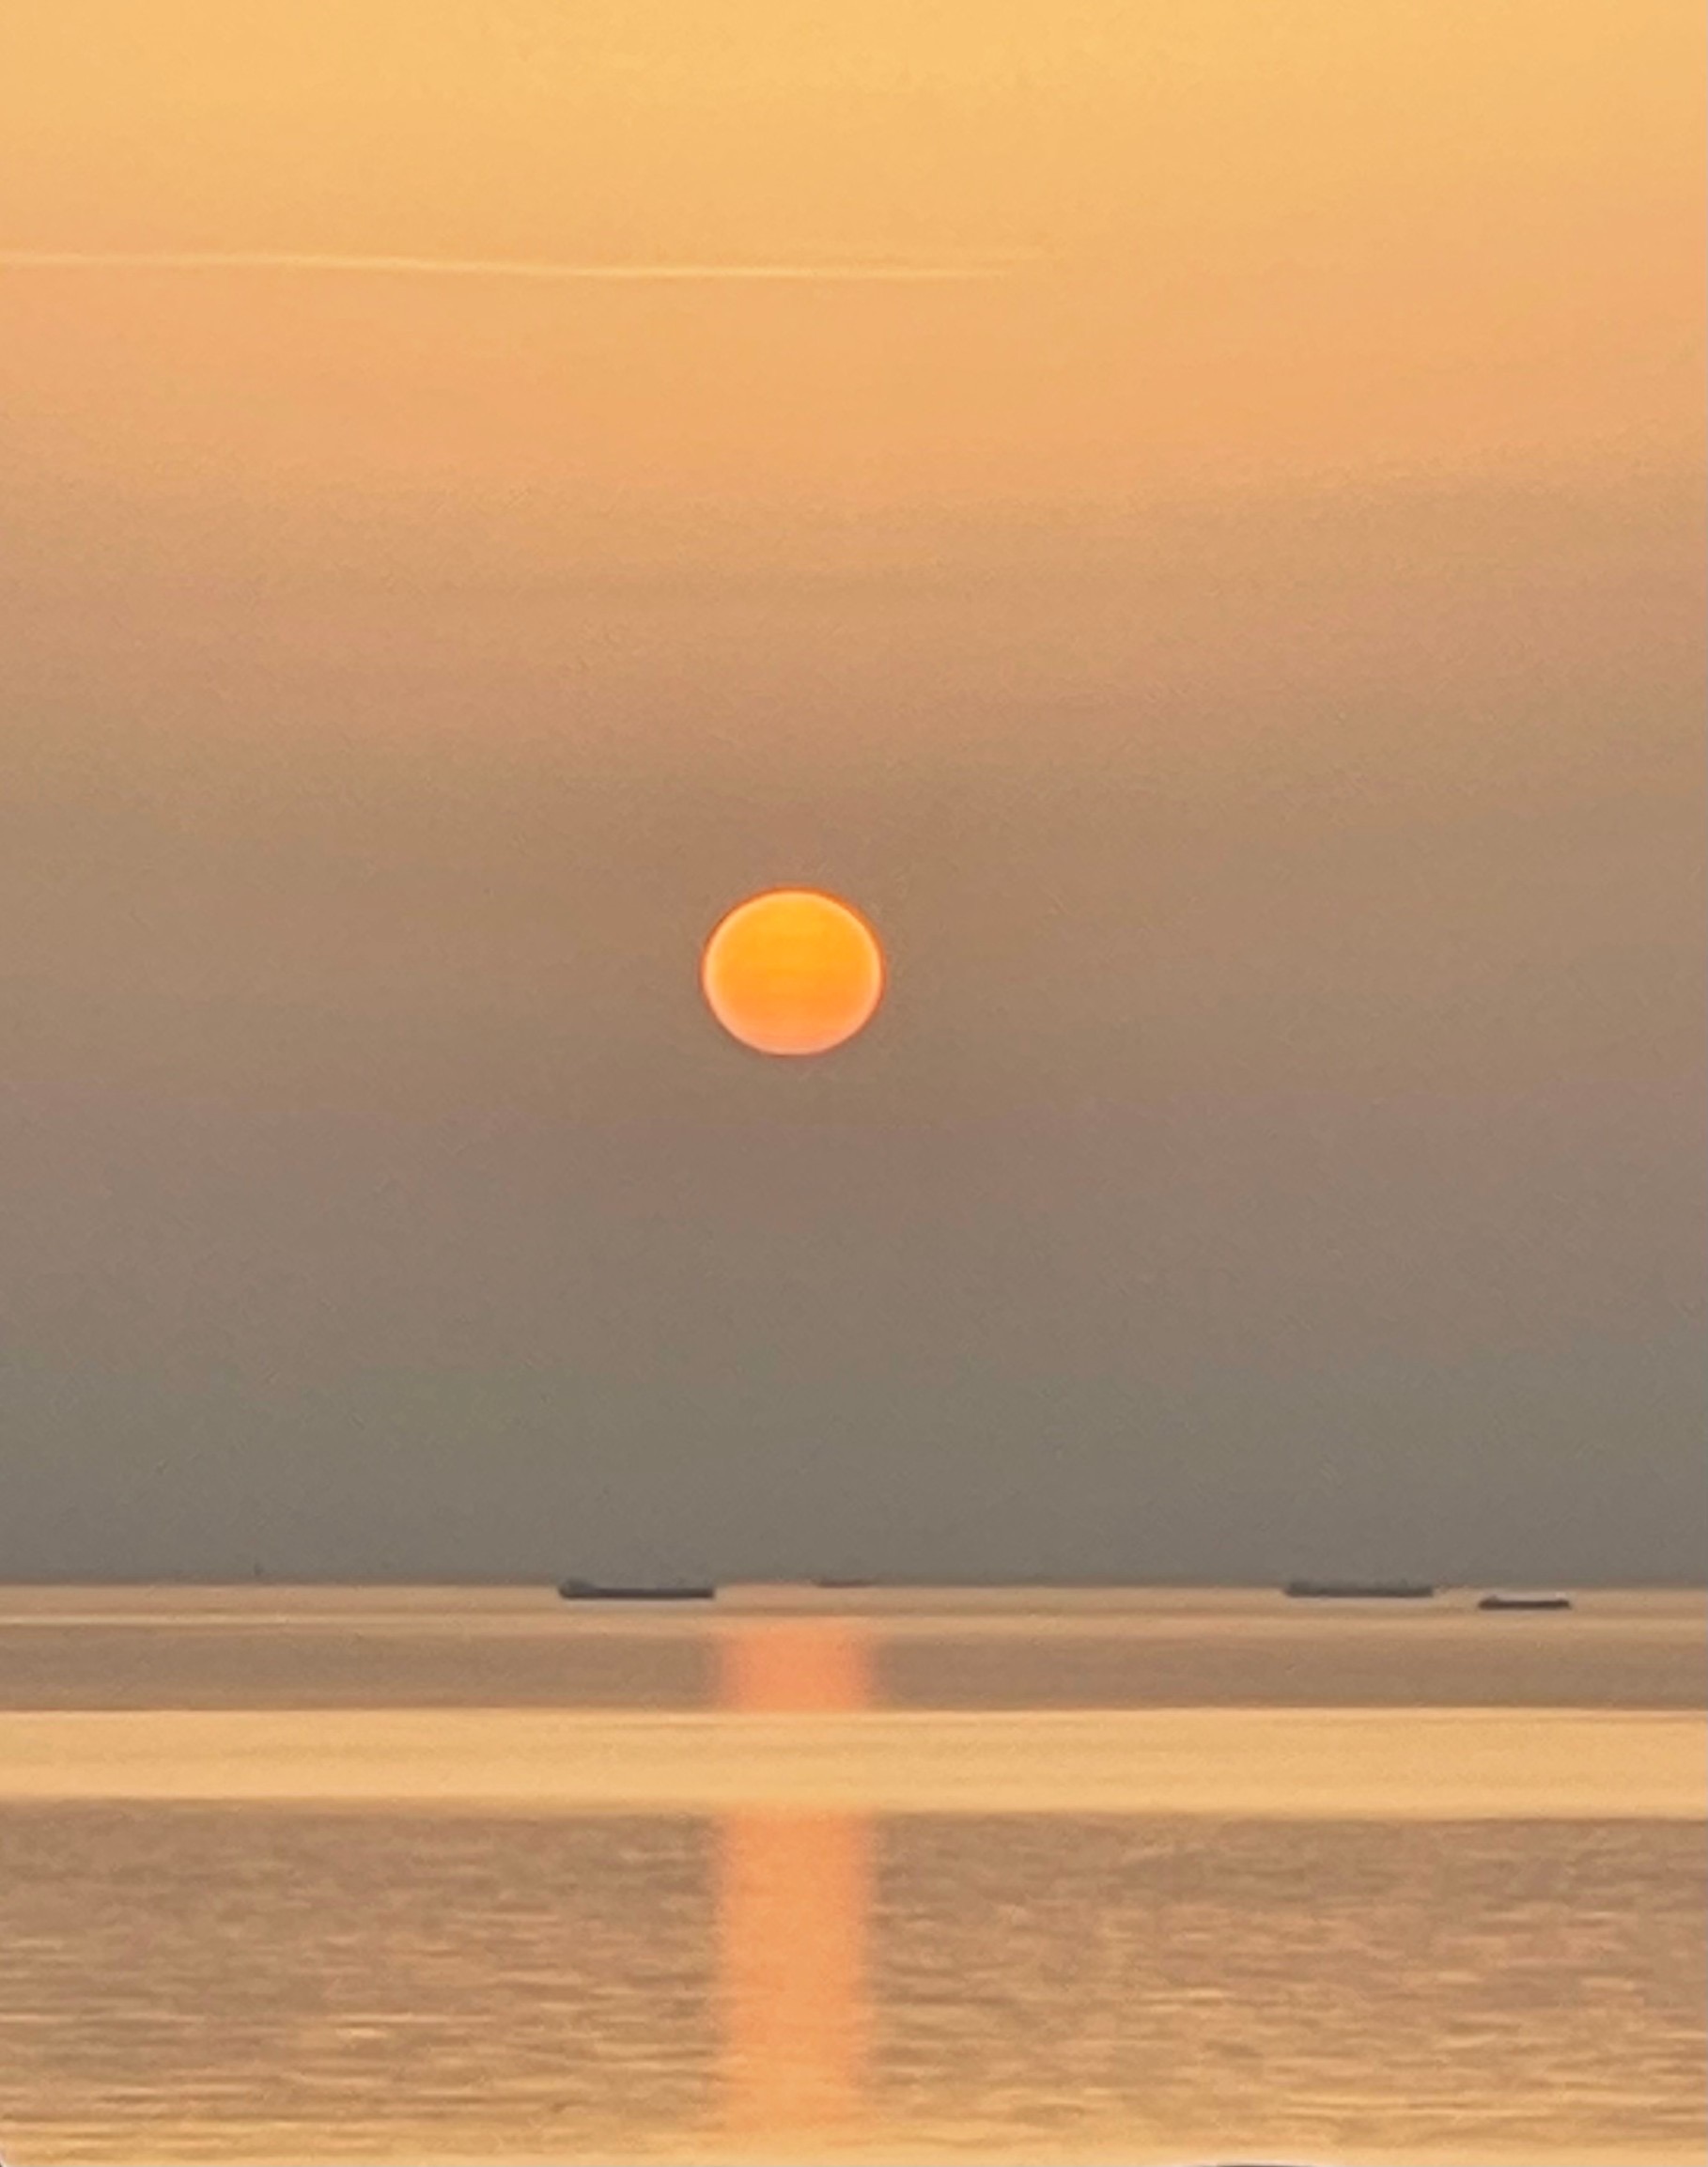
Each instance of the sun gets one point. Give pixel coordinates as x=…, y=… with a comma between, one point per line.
x=792, y=972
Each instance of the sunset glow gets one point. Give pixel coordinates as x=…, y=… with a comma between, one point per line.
x=852, y=1105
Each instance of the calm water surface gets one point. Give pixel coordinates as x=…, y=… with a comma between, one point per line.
x=472, y=1875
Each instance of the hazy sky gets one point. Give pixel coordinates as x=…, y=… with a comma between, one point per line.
x=1243, y=657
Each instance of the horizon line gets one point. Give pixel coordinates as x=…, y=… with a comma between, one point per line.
x=625, y=273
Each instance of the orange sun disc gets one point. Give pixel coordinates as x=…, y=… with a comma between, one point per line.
x=792, y=972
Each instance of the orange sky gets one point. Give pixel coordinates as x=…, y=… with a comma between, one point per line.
x=1245, y=661
x=1266, y=242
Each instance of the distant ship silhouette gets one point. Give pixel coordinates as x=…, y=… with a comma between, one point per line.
x=1360, y=1590
x=595, y=1591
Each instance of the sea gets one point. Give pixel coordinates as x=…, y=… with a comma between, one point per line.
x=437, y=1875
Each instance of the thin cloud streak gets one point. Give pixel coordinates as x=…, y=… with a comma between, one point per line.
x=456, y=267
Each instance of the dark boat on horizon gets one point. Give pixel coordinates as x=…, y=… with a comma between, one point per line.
x=1524, y=1602
x=594, y=1591
x=1358, y=1590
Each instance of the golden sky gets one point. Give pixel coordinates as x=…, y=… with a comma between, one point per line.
x=1258, y=243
